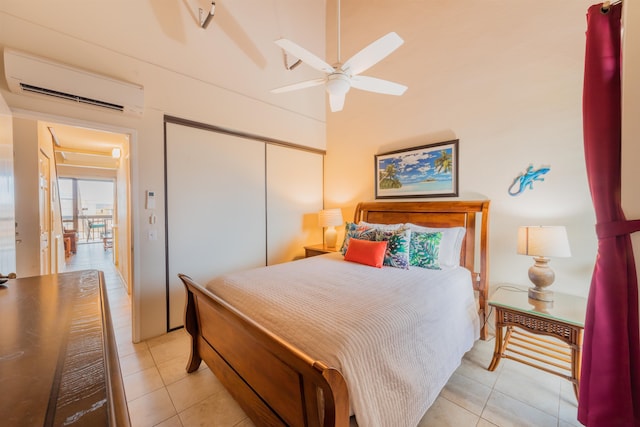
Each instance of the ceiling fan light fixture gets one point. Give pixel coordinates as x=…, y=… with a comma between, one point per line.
x=338, y=84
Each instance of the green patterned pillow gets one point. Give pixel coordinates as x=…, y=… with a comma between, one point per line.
x=424, y=250
x=398, y=242
x=362, y=232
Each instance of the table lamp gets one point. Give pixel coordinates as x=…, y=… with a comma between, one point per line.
x=330, y=218
x=542, y=242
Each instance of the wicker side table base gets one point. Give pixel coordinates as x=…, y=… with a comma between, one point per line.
x=525, y=342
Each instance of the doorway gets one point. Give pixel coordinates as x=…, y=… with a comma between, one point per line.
x=93, y=170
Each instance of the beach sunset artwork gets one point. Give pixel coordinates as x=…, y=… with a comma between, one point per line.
x=427, y=171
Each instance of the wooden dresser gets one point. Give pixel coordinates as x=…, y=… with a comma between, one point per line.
x=58, y=358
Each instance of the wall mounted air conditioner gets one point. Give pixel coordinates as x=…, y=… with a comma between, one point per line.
x=29, y=74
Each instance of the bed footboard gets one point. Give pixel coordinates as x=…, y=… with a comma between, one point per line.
x=274, y=382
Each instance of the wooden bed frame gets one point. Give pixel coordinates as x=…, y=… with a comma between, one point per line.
x=274, y=382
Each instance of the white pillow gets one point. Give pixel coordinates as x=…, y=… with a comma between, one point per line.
x=450, y=245
x=385, y=227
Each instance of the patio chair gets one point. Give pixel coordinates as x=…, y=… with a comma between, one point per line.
x=94, y=225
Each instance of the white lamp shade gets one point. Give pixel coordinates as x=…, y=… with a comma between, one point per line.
x=330, y=217
x=543, y=241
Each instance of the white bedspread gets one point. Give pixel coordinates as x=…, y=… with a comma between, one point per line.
x=396, y=335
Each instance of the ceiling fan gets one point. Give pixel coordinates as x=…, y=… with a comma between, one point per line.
x=344, y=76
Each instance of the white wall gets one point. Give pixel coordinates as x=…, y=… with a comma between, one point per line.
x=220, y=76
x=630, y=123
x=7, y=192
x=25, y=149
x=503, y=77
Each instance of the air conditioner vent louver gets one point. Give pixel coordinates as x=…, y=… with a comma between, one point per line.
x=36, y=76
x=70, y=97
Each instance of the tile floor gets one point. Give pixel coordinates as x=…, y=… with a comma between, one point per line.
x=160, y=393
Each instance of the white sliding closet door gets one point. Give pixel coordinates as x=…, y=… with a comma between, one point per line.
x=294, y=198
x=216, y=219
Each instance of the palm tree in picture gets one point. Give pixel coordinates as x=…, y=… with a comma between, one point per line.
x=444, y=163
x=388, y=178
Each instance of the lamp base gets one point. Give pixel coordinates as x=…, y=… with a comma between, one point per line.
x=331, y=237
x=540, y=294
x=542, y=277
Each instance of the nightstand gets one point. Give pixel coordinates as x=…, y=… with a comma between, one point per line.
x=314, y=250
x=523, y=325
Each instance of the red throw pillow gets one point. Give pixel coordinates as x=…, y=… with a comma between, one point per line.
x=366, y=252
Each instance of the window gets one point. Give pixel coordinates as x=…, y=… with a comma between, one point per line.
x=84, y=202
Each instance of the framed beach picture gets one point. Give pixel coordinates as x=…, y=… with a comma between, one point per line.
x=426, y=171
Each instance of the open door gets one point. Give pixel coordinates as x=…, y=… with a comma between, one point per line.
x=44, y=206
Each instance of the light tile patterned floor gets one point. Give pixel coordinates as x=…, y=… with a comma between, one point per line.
x=160, y=393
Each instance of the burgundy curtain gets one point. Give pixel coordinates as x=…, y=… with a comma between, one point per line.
x=610, y=380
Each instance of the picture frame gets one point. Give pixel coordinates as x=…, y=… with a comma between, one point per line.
x=426, y=171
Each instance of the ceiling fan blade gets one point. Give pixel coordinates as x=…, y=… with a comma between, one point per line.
x=372, y=54
x=299, y=85
x=373, y=84
x=336, y=102
x=306, y=56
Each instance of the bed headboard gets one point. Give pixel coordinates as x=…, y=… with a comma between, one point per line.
x=462, y=213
